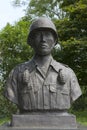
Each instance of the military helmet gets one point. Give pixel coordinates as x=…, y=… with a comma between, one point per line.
x=42, y=23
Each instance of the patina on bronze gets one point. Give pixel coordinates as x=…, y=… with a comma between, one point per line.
x=42, y=84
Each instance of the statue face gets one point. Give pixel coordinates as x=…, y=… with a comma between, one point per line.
x=43, y=42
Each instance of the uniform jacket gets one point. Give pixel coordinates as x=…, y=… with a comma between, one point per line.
x=32, y=88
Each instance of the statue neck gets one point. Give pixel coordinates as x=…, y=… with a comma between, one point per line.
x=42, y=60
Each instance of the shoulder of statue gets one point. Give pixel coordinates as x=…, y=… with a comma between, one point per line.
x=66, y=74
x=69, y=71
x=23, y=66
x=59, y=65
x=64, y=65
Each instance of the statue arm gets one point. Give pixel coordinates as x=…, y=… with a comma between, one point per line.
x=11, y=87
x=75, y=89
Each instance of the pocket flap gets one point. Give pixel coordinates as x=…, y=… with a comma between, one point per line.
x=66, y=92
x=26, y=89
x=53, y=88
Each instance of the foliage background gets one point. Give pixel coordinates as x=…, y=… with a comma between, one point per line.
x=70, y=18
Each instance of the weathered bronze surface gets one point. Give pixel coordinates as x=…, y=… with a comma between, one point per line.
x=42, y=84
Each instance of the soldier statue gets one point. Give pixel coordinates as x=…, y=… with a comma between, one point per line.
x=42, y=83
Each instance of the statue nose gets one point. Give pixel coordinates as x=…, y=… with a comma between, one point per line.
x=43, y=37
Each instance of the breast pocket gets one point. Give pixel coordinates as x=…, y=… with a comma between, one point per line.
x=25, y=99
x=64, y=91
x=63, y=99
x=26, y=88
x=52, y=88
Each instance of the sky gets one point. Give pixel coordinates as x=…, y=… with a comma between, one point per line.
x=8, y=13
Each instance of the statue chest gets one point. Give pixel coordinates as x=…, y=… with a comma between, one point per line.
x=38, y=91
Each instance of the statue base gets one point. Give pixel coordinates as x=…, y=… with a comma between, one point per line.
x=44, y=121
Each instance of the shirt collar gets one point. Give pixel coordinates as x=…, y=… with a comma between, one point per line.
x=55, y=65
x=37, y=64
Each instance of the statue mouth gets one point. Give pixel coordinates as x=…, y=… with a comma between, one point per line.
x=43, y=45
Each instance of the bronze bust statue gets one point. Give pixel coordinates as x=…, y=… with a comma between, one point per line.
x=42, y=84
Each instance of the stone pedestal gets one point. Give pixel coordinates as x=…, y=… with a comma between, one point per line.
x=44, y=121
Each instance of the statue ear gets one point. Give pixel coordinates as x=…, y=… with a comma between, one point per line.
x=57, y=46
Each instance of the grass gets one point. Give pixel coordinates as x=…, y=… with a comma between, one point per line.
x=81, y=117
x=4, y=120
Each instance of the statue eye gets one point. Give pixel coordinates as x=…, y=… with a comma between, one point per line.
x=37, y=34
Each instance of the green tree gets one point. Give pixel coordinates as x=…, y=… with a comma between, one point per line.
x=37, y=8
x=14, y=50
x=70, y=18
x=70, y=15
x=72, y=32
x=74, y=24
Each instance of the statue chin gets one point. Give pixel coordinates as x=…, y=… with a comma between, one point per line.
x=44, y=53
